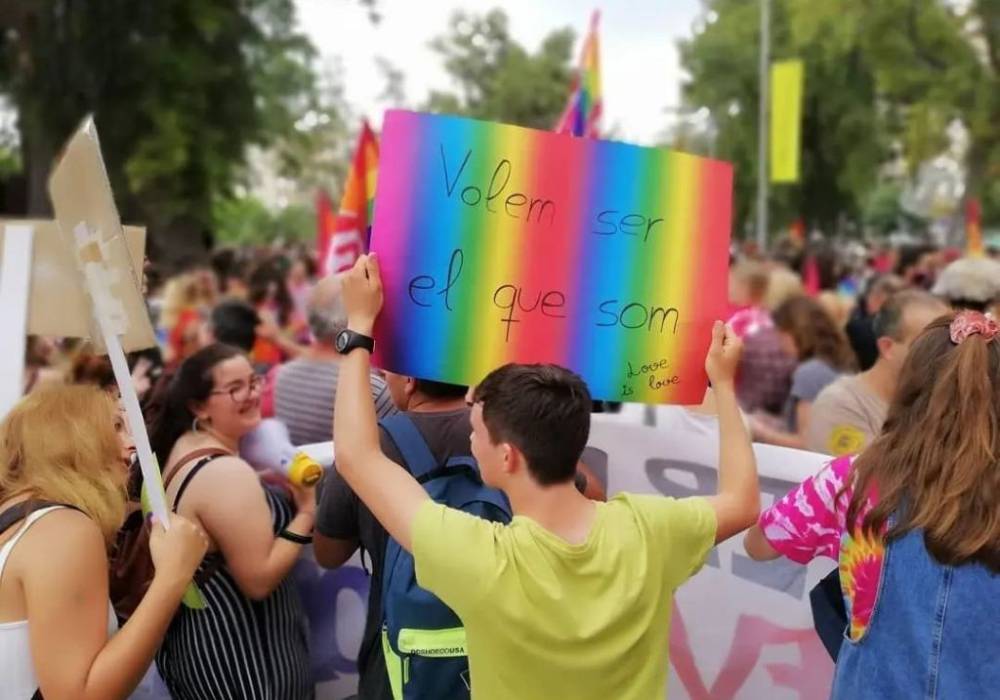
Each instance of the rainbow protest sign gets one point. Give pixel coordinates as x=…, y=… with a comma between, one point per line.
x=500, y=244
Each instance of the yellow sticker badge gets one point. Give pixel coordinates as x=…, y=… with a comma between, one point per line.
x=845, y=440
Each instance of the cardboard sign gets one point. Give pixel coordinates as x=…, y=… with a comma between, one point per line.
x=58, y=303
x=500, y=244
x=15, y=282
x=92, y=236
x=87, y=216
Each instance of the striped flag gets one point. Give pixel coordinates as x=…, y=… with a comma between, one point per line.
x=582, y=115
x=341, y=239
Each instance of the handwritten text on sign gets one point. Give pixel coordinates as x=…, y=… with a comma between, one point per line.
x=501, y=244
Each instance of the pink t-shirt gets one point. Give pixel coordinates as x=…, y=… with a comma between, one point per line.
x=810, y=522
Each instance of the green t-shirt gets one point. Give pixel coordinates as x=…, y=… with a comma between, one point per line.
x=546, y=619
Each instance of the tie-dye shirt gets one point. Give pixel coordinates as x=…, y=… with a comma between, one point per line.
x=810, y=522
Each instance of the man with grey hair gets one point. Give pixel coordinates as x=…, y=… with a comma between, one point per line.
x=306, y=387
x=849, y=413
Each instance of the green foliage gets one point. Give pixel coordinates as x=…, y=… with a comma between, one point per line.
x=892, y=71
x=937, y=61
x=882, y=209
x=246, y=221
x=179, y=90
x=498, y=79
x=316, y=153
x=842, y=143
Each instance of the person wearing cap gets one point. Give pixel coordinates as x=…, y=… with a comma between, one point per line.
x=970, y=283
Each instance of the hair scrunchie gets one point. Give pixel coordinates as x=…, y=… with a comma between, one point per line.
x=968, y=323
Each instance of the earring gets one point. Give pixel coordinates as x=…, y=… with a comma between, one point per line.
x=194, y=425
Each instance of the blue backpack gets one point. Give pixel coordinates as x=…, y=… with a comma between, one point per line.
x=423, y=640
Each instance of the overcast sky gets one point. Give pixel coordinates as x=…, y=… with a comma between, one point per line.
x=639, y=61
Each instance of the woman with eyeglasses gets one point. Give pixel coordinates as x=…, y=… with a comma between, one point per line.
x=251, y=641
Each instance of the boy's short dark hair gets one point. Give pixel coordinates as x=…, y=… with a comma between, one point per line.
x=235, y=323
x=544, y=411
x=441, y=390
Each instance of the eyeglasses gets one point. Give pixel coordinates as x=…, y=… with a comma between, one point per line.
x=244, y=390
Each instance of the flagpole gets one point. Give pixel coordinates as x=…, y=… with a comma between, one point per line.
x=762, y=125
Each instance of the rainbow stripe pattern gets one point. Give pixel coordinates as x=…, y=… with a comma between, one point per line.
x=582, y=114
x=501, y=244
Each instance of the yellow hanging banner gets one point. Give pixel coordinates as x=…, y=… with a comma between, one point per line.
x=786, y=120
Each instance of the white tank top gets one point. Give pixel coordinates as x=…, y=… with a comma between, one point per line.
x=17, y=672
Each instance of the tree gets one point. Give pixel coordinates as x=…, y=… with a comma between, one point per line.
x=935, y=61
x=316, y=152
x=394, y=90
x=842, y=139
x=498, y=79
x=247, y=221
x=179, y=90
x=892, y=71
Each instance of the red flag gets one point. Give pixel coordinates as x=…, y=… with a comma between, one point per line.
x=344, y=238
x=810, y=276
x=325, y=223
x=797, y=233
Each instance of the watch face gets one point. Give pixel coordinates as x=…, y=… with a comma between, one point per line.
x=342, y=341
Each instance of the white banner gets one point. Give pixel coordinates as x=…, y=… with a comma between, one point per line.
x=741, y=630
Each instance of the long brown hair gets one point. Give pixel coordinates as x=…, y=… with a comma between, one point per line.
x=59, y=444
x=814, y=332
x=936, y=466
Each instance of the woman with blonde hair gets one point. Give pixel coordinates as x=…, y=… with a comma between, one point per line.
x=185, y=301
x=782, y=286
x=914, y=522
x=64, y=456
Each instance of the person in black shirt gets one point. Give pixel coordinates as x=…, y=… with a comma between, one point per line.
x=344, y=523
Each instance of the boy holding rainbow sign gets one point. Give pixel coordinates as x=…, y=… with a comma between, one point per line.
x=573, y=598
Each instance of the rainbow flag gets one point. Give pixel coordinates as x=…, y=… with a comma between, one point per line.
x=343, y=238
x=501, y=244
x=582, y=115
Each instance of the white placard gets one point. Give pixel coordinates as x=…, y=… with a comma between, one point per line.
x=15, y=283
x=741, y=630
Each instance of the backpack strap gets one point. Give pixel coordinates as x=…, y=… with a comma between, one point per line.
x=19, y=511
x=411, y=445
x=453, y=466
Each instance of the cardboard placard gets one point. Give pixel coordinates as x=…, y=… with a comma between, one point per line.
x=15, y=284
x=92, y=234
x=500, y=244
x=86, y=213
x=58, y=303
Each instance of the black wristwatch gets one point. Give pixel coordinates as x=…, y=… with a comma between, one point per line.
x=349, y=340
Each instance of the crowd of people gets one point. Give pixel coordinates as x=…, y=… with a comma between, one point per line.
x=888, y=362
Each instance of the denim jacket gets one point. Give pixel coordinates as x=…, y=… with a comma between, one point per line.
x=934, y=633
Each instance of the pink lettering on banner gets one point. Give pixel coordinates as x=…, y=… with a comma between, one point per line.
x=810, y=677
